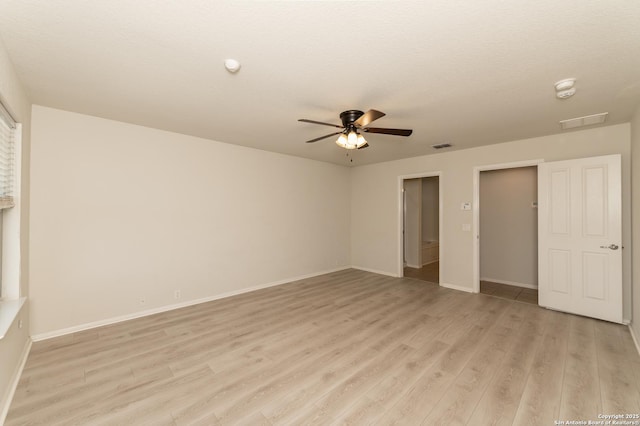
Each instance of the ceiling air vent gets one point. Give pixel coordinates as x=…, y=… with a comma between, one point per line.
x=587, y=120
x=441, y=145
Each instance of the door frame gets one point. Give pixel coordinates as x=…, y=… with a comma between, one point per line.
x=400, y=214
x=476, y=209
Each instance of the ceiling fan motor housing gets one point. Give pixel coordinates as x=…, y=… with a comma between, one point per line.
x=348, y=117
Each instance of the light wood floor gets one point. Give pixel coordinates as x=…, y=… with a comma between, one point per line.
x=345, y=348
x=429, y=272
x=521, y=294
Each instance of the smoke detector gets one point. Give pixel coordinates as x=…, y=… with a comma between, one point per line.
x=232, y=65
x=564, y=94
x=565, y=89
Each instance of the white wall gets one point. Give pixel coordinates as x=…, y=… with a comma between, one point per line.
x=509, y=226
x=121, y=212
x=635, y=150
x=375, y=199
x=413, y=223
x=12, y=347
x=430, y=209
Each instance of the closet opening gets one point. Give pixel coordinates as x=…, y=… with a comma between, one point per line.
x=508, y=233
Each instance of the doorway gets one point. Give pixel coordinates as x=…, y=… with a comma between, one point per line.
x=421, y=219
x=508, y=229
x=504, y=271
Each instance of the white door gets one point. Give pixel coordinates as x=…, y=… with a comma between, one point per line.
x=580, y=237
x=413, y=223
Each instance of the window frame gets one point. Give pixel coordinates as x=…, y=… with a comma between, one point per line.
x=12, y=297
x=10, y=218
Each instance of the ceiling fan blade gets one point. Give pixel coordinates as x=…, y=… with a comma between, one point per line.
x=323, y=137
x=304, y=120
x=368, y=117
x=366, y=145
x=396, y=132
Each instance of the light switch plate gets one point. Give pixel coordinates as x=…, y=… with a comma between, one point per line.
x=466, y=227
x=465, y=206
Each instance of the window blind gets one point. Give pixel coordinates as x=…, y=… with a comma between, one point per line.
x=7, y=158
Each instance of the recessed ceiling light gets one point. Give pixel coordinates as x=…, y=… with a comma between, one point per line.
x=587, y=120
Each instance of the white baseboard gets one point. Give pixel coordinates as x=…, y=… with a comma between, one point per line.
x=56, y=333
x=13, y=384
x=457, y=287
x=375, y=271
x=513, y=283
x=635, y=338
x=411, y=265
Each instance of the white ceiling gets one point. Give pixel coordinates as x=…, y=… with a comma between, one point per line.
x=471, y=72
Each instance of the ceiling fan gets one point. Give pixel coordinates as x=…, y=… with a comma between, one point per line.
x=352, y=122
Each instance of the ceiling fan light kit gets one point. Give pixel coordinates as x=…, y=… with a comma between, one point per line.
x=351, y=139
x=352, y=121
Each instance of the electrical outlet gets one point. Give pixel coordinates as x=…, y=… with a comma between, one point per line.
x=176, y=294
x=143, y=300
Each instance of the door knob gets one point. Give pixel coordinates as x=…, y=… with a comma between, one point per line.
x=612, y=247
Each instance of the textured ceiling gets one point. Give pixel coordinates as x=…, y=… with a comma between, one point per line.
x=466, y=72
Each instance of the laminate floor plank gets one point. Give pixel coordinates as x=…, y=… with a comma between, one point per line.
x=221, y=339
x=304, y=396
x=290, y=403
x=341, y=397
x=382, y=397
x=137, y=409
x=618, y=387
x=630, y=350
x=349, y=347
x=121, y=407
x=458, y=402
x=314, y=350
x=501, y=399
x=248, y=397
x=418, y=401
x=581, y=387
x=472, y=311
x=540, y=401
